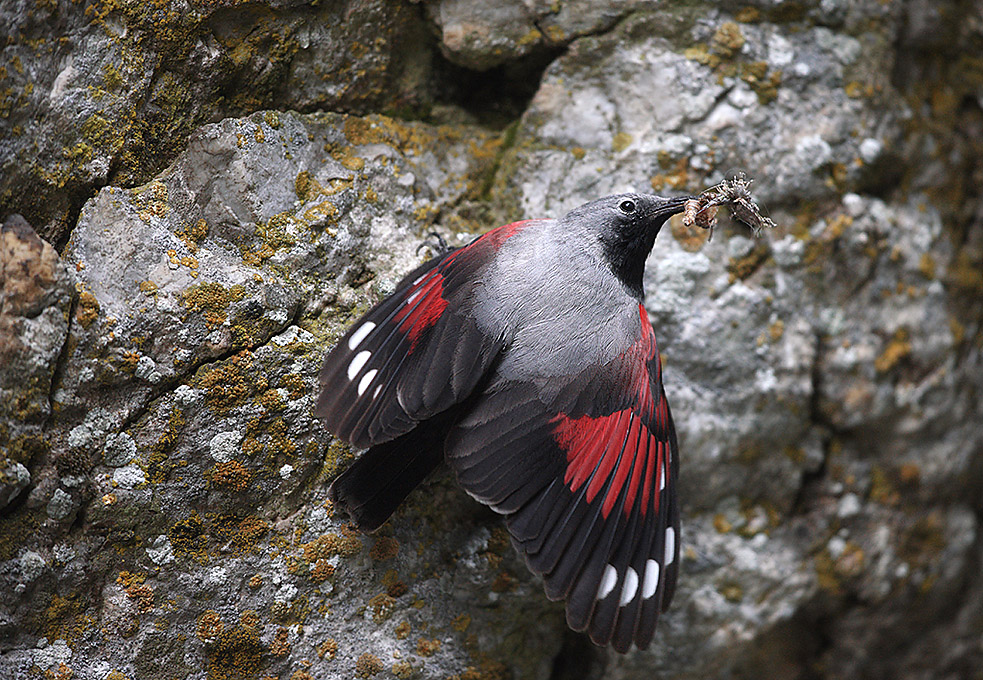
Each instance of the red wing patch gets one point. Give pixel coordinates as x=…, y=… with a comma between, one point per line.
x=424, y=305
x=425, y=300
x=620, y=445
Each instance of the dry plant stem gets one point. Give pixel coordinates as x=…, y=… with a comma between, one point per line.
x=736, y=195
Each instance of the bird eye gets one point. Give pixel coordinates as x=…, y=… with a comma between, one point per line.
x=627, y=207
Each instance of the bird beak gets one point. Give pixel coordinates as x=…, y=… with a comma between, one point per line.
x=671, y=206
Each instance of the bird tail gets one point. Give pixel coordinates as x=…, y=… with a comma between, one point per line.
x=374, y=486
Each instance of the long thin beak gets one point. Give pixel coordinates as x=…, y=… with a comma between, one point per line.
x=671, y=206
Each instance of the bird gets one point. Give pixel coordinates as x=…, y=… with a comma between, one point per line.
x=526, y=360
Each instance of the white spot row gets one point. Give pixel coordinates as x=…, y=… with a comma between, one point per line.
x=629, y=588
x=608, y=582
x=650, y=579
x=366, y=380
x=358, y=363
x=355, y=339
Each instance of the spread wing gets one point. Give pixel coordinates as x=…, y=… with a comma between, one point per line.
x=413, y=355
x=587, y=481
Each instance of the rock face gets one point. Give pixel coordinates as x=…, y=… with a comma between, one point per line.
x=162, y=479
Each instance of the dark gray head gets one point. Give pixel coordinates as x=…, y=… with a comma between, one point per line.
x=626, y=226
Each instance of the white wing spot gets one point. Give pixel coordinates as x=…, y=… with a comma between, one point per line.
x=414, y=296
x=376, y=393
x=366, y=380
x=662, y=478
x=419, y=278
x=630, y=588
x=356, y=338
x=608, y=582
x=651, y=581
x=358, y=363
x=670, y=545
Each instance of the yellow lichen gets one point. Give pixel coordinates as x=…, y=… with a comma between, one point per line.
x=896, y=350
x=385, y=548
x=368, y=665
x=382, y=607
x=280, y=646
x=327, y=649
x=88, y=309
x=210, y=626
x=237, y=654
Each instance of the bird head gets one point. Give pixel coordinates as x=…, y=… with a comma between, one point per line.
x=625, y=225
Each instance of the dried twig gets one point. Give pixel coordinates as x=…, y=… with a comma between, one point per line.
x=736, y=195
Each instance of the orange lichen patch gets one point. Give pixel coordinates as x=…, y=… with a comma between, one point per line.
x=321, y=571
x=676, y=175
x=776, y=330
x=238, y=535
x=193, y=235
x=255, y=582
x=230, y=383
x=187, y=537
x=279, y=646
x=295, y=384
x=329, y=545
x=327, y=649
x=402, y=630
x=88, y=309
x=881, y=489
x=742, y=267
x=249, y=618
x=301, y=675
x=393, y=585
x=923, y=542
x=158, y=465
x=142, y=595
x=382, y=607
x=128, y=363
x=385, y=548
x=148, y=287
x=209, y=626
x=368, y=665
x=897, y=349
x=503, y=583
x=402, y=670
x=63, y=672
x=237, y=654
x=426, y=647
x=461, y=622
x=690, y=240
x=271, y=400
x=910, y=474
x=231, y=474
x=721, y=524
x=728, y=39
x=212, y=300
x=62, y=618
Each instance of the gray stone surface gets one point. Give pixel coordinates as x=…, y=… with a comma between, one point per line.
x=109, y=91
x=162, y=481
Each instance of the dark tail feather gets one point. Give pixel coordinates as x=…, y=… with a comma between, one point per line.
x=373, y=487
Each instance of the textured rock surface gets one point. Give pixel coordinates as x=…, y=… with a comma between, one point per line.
x=162, y=480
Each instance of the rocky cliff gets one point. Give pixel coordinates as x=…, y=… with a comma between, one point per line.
x=217, y=189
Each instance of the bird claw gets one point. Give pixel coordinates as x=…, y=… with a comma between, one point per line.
x=439, y=249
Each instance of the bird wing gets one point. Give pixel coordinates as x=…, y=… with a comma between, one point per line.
x=587, y=481
x=415, y=354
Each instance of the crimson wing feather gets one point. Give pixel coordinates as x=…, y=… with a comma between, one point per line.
x=415, y=354
x=588, y=488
